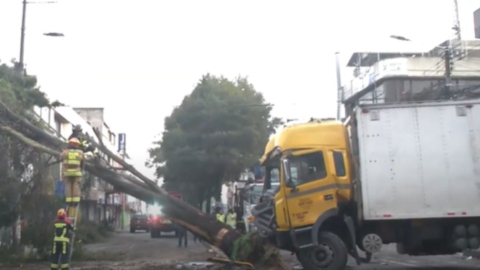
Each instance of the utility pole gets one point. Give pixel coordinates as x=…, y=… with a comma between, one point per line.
x=448, y=68
x=339, y=86
x=22, y=36
x=21, y=63
x=456, y=26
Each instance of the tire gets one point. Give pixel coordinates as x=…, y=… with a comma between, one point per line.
x=132, y=230
x=330, y=254
x=176, y=233
x=153, y=234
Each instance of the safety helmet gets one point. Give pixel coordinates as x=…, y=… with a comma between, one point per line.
x=61, y=213
x=74, y=142
x=77, y=128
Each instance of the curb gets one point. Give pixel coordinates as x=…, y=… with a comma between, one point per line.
x=473, y=253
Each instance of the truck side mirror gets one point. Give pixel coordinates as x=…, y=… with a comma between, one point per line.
x=290, y=183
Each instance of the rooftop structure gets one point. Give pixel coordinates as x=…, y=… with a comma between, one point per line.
x=398, y=77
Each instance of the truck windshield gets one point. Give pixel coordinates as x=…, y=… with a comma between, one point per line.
x=255, y=194
x=307, y=168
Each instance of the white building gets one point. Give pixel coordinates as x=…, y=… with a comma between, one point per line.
x=382, y=77
x=101, y=201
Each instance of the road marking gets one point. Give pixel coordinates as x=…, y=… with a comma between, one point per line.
x=401, y=263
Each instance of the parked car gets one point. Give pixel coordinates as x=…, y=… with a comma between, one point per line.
x=139, y=222
x=161, y=223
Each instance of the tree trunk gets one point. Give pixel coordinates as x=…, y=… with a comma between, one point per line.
x=212, y=231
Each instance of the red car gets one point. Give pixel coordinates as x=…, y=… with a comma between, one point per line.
x=139, y=222
x=160, y=223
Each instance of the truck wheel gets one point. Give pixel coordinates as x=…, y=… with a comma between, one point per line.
x=132, y=230
x=330, y=254
x=153, y=234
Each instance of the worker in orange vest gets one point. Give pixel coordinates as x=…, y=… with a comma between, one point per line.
x=61, y=241
x=72, y=171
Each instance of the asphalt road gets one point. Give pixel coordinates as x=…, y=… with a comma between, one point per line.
x=138, y=251
x=388, y=259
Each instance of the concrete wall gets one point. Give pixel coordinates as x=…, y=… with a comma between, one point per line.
x=417, y=67
x=476, y=23
x=94, y=116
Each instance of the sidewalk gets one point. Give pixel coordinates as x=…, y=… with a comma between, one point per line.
x=475, y=254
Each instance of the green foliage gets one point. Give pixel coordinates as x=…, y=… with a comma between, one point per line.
x=90, y=232
x=20, y=92
x=253, y=248
x=220, y=129
x=39, y=212
x=25, y=182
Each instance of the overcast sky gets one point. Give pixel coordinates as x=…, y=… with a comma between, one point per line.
x=139, y=58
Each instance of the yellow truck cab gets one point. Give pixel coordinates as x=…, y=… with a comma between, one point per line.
x=305, y=214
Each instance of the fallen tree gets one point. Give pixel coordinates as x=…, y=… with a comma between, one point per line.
x=137, y=185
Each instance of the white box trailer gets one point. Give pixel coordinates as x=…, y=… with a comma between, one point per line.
x=419, y=160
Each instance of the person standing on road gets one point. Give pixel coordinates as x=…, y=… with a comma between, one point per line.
x=220, y=216
x=182, y=233
x=231, y=218
x=61, y=241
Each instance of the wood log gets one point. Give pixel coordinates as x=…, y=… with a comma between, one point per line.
x=211, y=230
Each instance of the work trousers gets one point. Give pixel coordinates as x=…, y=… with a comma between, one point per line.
x=195, y=238
x=73, y=190
x=182, y=233
x=60, y=252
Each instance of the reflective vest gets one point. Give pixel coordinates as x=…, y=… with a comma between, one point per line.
x=62, y=230
x=72, y=162
x=232, y=220
x=221, y=217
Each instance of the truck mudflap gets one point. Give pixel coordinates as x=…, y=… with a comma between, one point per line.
x=353, y=240
x=301, y=237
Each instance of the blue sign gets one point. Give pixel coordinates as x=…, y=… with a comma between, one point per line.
x=122, y=141
x=259, y=172
x=59, y=188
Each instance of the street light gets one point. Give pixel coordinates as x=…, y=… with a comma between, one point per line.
x=400, y=38
x=22, y=36
x=54, y=34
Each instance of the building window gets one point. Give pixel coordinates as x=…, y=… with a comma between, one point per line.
x=339, y=164
x=58, y=126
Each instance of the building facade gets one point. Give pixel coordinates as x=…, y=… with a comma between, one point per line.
x=395, y=77
x=99, y=200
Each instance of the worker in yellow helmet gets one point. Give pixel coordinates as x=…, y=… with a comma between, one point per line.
x=72, y=165
x=61, y=241
x=84, y=145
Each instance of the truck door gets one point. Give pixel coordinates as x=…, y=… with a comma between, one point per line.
x=314, y=189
